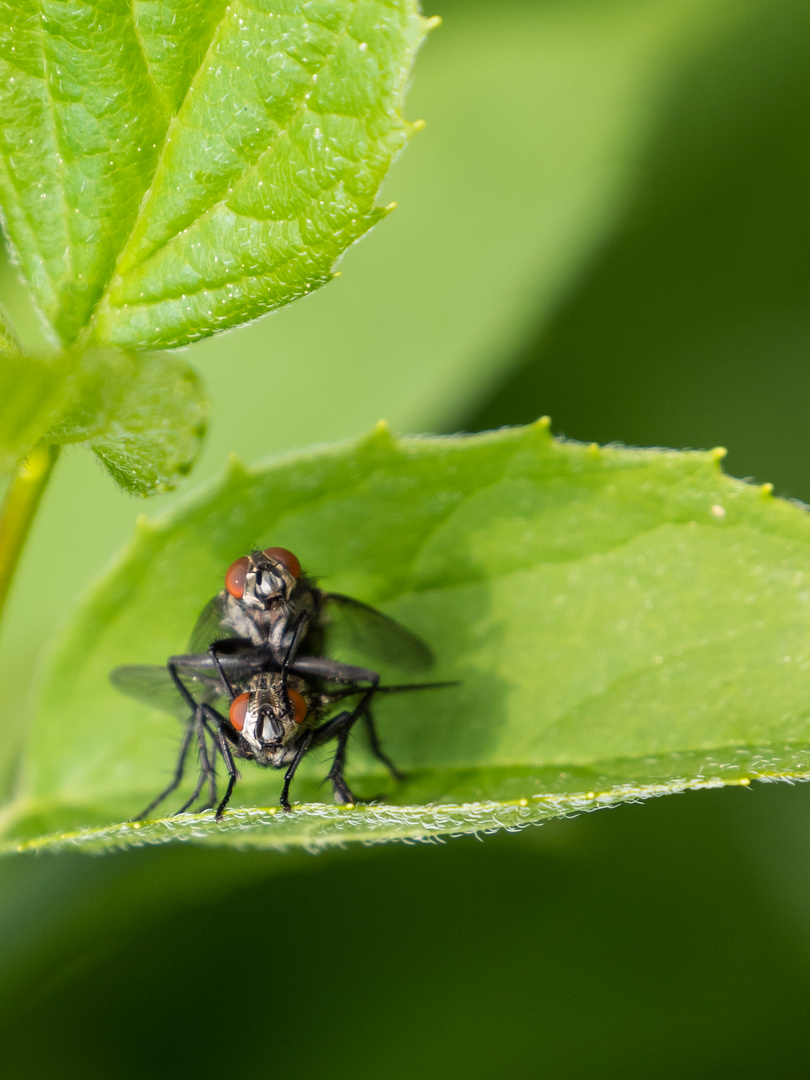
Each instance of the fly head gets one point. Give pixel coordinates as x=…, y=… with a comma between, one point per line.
x=263, y=578
x=269, y=718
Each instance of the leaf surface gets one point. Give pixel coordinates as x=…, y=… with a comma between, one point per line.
x=624, y=623
x=168, y=170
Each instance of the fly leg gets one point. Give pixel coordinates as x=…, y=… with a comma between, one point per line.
x=205, y=762
x=213, y=652
x=290, y=773
x=299, y=631
x=181, y=687
x=211, y=774
x=221, y=744
x=333, y=670
x=376, y=748
x=340, y=788
x=178, y=772
x=371, y=728
x=341, y=726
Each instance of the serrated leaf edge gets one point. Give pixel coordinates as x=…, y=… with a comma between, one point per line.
x=371, y=825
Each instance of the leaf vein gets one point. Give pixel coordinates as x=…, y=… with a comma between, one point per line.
x=249, y=169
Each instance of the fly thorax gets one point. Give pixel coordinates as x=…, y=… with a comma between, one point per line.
x=284, y=627
x=244, y=623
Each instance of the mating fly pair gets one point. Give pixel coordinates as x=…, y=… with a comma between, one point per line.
x=257, y=647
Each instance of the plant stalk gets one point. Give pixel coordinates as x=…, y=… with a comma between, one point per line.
x=20, y=507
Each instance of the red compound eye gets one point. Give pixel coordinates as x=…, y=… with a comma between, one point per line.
x=286, y=558
x=238, y=711
x=298, y=704
x=235, y=578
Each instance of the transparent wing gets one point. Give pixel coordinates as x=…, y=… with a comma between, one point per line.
x=208, y=627
x=359, y=627
x=153, y=686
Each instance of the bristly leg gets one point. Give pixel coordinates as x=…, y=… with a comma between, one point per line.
x=290, y=773
x=178, y=771
x=205, y=763
x=376, y=748
x=221, y=744
x=340, y=788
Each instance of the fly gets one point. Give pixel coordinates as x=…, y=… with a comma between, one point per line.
x=270, y=603
x=274, y=722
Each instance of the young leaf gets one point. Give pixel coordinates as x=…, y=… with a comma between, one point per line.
x=181, y=168
x=144, y=417
x=624, y=623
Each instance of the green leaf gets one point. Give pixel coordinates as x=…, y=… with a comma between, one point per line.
x=9, y=342
x=171, y=170
x=624, y=623
x=29, y=396
x=143, y=416
x=32, y=393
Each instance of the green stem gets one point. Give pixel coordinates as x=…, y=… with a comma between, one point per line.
x=19, y=507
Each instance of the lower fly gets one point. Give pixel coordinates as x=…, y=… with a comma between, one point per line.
x=274, y=721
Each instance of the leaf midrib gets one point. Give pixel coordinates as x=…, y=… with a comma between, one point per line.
x=104, y=298
x=157, y=90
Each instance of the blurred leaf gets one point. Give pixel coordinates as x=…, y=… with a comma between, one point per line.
x=692, y=324
x=29, y=396
x=32, y=391
x=144, y=416
x=624, y=623
x=9, y=342
x=180, y=169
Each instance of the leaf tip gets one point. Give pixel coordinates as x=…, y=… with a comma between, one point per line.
x=766, y=490
x=718, y=453
x=144, y=525
x=379, y=438
x=433, y=22
x=382, y=431
x=594, y=449
x=236, y=467
x=416, y=125
x=543, y=425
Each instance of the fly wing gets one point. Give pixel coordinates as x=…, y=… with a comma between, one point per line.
x=208, y=627
x=355, y=624
x=153, y=686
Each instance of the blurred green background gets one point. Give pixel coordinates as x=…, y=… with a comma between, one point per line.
x=606, y=220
